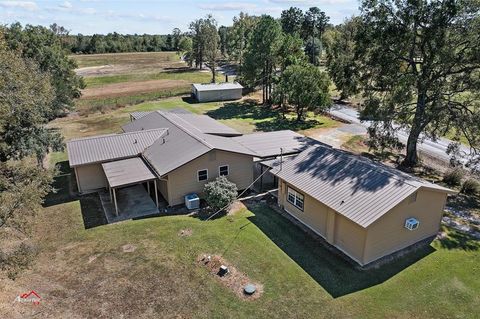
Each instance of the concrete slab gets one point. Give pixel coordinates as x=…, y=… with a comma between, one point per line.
x=133, y=202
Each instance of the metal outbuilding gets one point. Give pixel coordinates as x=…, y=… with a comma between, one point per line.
x=216, y=92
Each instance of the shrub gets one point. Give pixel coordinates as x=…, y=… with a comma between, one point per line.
x=453, y=177
x=471, y=187
x=220, y=192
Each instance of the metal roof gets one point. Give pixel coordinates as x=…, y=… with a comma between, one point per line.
x=217, y=86
x=140, y=114
x=194, y=122
x=357, y=188
x=182, y=143
x=104, y=148
x=268, y=144
x=127, y=172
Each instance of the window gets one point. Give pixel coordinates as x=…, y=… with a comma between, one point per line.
x=295, y=198
x=411, y=223
x=202, y=175
x=223, y=170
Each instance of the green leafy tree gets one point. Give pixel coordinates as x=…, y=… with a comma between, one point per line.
x=26, y=103
x=420, y=70
x=223, y=33
x=261, y=56
x=239, y=36
x=211, y=42
x=44, y=47
x=292, y=20
x=304, y=87
x=342, y=65
x=314, y=24
x=220, y=193
x=176, y=35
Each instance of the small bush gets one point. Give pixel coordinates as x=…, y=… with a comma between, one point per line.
x=220, y=192
x=453, y=177
x=471, y=187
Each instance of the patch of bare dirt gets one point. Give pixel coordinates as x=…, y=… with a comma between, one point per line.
x=235, y=280
x=185, y=232
x=236, y=207
x=131, y=88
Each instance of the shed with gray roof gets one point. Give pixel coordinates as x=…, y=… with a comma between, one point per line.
x=216, y=91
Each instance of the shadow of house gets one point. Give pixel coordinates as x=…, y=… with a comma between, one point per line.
x=65, y=191
x=326, y=266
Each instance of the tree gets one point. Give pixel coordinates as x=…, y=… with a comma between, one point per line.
x=27, y=100
x=205, y=43
x=223, y=33
x=220, y=193
x=240, y=35
x=262, y=55
x=342, y=65
x=421, y=69
x=44, y=47
x=292, y=20
x=313, y=26
x=185, y=46
x=305, y=87
x=176, y=35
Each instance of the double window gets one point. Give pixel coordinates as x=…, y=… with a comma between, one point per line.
x=202, y=175
x=223, y=170
x=295, y=198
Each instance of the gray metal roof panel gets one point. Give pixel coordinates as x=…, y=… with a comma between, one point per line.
x=268, y=144
x=357, y=188
x=217, y=86
x=127, y=172
x=109, y=147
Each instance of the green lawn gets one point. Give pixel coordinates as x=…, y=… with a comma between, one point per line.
x=87, y=273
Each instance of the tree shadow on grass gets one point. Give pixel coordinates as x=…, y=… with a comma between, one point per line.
x=178, y=70
x=459, y=240
x=266, y=119
x=334, y=273
x=64, y=191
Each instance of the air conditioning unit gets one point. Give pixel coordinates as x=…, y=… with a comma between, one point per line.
x=411, y=223
x=192, y=201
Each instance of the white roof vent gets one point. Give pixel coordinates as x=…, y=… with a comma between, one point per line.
x=411, y=223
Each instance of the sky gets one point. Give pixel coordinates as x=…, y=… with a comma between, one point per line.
x=152, y=16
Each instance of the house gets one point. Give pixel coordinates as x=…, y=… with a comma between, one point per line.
x=171, y=154
x=365, y=209
x=216, y=92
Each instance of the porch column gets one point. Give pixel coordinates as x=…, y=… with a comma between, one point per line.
x=148, y=187
x=115, y=201
x=156, y=192
x=110, y=192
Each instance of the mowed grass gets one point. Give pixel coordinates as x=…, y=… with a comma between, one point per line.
x=86, y=273
x=138, y=58
x=245, y=116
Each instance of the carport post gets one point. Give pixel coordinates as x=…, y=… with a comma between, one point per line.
x=148, y=188
x=156, y=193
x=115, y=200
x=110, y=192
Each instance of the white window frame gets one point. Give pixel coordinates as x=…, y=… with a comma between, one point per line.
x=297, y=198
x=412, y=223
x=228, y=170
x=198, y=175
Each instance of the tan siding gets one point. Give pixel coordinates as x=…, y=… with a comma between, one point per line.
x=90, y=177
x=349, y=237
x=388, y=234
x=184, y=179
x=314, y=213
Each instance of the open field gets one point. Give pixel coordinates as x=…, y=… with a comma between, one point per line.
x=115, y=80
x=146, y=269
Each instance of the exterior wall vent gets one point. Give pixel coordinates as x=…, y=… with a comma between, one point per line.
x=411, y=223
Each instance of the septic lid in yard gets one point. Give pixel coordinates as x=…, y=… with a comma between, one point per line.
x=249, y=289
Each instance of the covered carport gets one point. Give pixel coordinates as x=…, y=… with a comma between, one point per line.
x=129, y=198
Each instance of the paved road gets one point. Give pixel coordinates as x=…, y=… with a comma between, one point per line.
x=437, y=149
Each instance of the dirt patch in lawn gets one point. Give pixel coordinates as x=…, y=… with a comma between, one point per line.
x=128, y=248
x=236, y=207
x=235, y=280
x=185, y=232
x=131, y=88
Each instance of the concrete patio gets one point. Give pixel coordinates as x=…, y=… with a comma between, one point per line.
x=133, y=202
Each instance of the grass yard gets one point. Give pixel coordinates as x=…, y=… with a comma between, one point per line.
x=115, y=80
x=90, y=273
